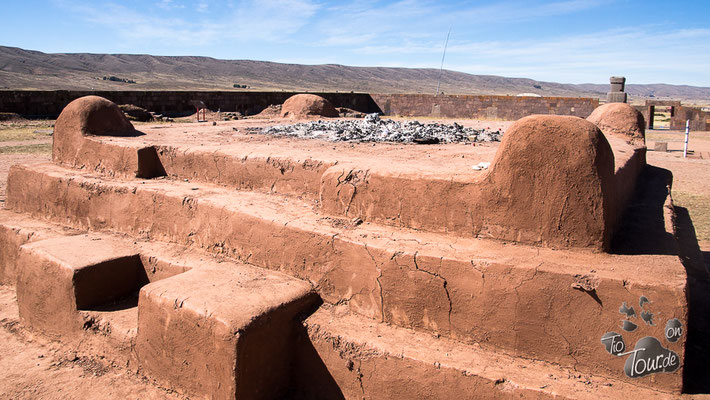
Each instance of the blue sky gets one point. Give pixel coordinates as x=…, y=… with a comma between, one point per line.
x=570, y=41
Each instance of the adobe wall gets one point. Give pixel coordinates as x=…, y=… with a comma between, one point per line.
x=483, y=106
x=51, y=103
x=679, y=114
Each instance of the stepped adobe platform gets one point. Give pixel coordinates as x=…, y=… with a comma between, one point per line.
x=227, y=264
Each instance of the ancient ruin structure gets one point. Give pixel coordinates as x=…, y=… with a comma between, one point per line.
x=617, y=94
x=255, y=267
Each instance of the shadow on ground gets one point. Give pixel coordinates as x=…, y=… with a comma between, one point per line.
x=696, y=375
x=643, y=231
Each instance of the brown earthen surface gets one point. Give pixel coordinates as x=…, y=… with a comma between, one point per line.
x=432, y=367
x=307, y=105
x=372, y=360
x=553, y=176
x=423, y=279
x=375, y=269
x=35, y=367
x=619, y=119
x=57, y=277
x=393, y=184
x=235, y=326
x=90, y=115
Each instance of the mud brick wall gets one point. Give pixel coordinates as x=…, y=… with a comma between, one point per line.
x=51, y=103
x=483, y=107
x=699, y=119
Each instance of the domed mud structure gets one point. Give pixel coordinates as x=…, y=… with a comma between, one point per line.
x=306, y=105
x=89, y=115
x=619, y=119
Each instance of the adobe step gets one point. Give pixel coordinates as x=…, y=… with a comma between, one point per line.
x=224, y=331
x=342, y=355
x=526, y=301
x=58, y=277
x=394, y=187
x=203, y=326
x=16, y=230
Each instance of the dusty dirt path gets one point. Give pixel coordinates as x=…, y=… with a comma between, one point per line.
x=11, y=143
x=31, y=367
x=8, y=160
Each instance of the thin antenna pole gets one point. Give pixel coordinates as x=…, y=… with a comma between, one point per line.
x=441, y=68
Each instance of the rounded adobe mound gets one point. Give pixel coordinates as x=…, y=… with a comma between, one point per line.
x=553, y=176
x=303, y=105
x=89, y=115
x=94, y=115
x=619, y=119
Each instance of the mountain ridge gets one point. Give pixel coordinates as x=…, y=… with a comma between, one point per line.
x=22, y=69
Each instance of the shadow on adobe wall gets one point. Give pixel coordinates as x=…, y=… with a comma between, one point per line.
x=642, y=229
x=311, y=379
x=696, y=375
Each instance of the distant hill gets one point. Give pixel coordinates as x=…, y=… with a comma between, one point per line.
x=26, y=69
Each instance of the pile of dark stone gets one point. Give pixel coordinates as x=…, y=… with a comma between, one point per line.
x=374, y=129
x=135, y=113
x=229, y=115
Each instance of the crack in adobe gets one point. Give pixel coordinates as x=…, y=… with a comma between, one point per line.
x=352, y=196
x=517, y=295
x=445, y=284
x=360, y=376
x=215, y=156
x=570, y=352
x=483, y=275
x=379, y=283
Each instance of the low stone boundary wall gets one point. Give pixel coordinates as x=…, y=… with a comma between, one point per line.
x=50, y=103
x=483, y=107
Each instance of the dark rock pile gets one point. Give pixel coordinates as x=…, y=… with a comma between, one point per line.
x=135, y=113
x=374, y=129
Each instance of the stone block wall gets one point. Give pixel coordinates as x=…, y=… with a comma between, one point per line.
x=50, y=103
x=679, y=114
x=483, y=106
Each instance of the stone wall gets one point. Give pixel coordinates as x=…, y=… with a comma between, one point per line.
x=50, y=103
x=483, y=107
x=699, y=119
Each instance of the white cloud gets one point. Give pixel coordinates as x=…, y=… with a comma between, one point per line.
x=266, y=20
x=645, y=55
x=169, y=5
x=409, y=33
x=269, y=20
